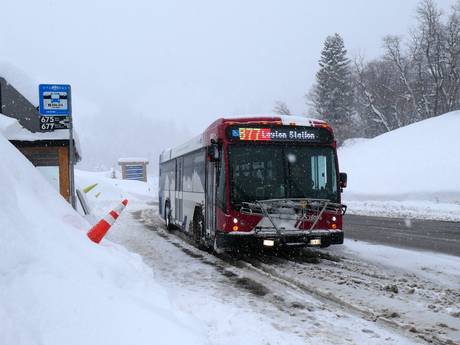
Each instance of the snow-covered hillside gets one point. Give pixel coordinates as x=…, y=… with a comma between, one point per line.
x=411, y=171
x=57, y=287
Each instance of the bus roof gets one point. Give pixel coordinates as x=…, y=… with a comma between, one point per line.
x=191, y=145
x=197, y=142
x=281, y=119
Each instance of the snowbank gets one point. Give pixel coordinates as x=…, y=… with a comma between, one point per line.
x=418, y=163
x=60, y=288
x=110, y=189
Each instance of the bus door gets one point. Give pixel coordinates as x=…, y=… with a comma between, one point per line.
x=210, y=198
x=179, y=213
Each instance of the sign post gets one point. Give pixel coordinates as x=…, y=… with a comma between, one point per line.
x=56, y=113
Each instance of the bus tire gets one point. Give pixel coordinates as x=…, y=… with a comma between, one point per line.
x=168, y=216
x=215, y=246
x=198, y=228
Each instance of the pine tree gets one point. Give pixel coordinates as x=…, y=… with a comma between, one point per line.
x=332, y=95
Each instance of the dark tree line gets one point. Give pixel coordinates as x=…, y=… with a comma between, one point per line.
x=415, y=79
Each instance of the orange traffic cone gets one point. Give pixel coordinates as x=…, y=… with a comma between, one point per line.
x=97, y=232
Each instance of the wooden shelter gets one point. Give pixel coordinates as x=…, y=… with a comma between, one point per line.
x=46, y=150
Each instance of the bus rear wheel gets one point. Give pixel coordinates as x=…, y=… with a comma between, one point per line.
x=198, y=229
x=168, y=217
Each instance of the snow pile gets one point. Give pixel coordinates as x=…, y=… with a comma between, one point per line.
x=411, y=171
x=60, y=288
x=109, y=189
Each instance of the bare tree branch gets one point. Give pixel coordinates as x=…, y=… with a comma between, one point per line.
x=281, y=108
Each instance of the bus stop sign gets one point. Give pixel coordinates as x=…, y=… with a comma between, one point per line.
x=54, y=100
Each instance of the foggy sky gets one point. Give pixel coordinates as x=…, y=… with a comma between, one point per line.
x=188, y=62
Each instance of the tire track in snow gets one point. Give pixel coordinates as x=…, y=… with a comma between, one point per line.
x=269, y=273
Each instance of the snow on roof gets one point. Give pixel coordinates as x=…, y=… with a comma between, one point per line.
x=12, y=130
x=285, y=119
x=133, y=160
x=20, y=81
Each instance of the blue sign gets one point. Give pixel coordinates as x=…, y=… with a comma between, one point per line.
x=55, y=100
x=134, y=172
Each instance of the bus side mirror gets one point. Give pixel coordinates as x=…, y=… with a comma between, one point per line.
x=213, y=152
x=343, y=180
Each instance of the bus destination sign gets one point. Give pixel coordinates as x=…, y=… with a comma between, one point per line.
x=303, y=134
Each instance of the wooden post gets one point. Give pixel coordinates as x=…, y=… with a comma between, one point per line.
x=64, y=180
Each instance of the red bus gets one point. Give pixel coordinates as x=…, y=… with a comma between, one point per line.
x=260, y=180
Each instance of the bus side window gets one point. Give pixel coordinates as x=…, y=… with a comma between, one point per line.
x=188, y=171
x=198, y=179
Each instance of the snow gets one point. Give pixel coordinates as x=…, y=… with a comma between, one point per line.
x=417, y=209
x=133, y=160
x=411, y=171
x=60, y=288
x=432, y=266
x=112, y=190
x=213, y=292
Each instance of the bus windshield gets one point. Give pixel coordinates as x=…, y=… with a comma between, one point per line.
x=261, y=172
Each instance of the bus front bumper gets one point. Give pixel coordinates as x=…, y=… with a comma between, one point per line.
x=314, y=238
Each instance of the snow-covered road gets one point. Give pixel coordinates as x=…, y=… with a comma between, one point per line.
x=238, y=305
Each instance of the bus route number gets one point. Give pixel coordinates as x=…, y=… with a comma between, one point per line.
x=52, y=123
x=47, y=123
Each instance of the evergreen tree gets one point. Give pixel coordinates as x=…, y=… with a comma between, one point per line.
x=332, y=95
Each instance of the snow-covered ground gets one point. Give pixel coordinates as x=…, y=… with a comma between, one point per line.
x=57, y=287
x=409, y=172
x=418, y=291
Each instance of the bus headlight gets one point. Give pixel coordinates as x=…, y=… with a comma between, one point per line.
x=235, y=220
x=269, y=243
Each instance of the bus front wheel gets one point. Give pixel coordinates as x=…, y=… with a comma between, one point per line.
x=216, y=247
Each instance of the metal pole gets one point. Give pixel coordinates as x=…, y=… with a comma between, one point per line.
x=71, y=153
